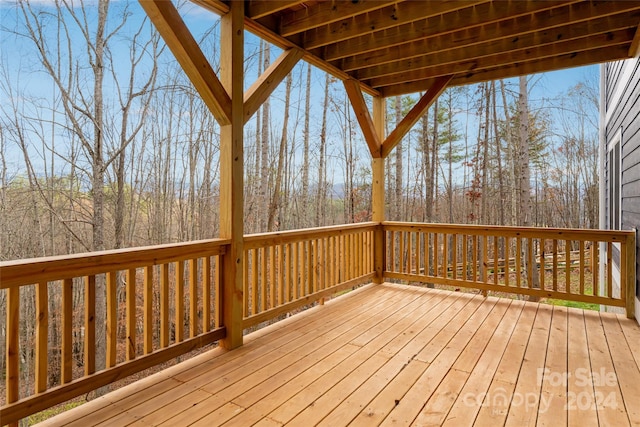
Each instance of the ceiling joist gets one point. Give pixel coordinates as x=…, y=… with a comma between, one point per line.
x=490, y=39
x=464, y=18
x=178, y=38
x=507, y=58
x=380, y=19
x=324, y=13
x=402, y=46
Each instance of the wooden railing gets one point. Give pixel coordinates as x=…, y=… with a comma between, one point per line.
x=284, y=271
x=540, y=262
x=177, y=286
x=164, y=301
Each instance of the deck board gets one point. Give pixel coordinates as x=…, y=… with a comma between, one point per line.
x=396, y=355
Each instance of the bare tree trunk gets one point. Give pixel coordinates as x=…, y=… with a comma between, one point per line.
x=434, y=165
x=264, y=178
x=496, y=133
x=322, y=170
x=275, y=200
x=304, y=202
x=524, y=179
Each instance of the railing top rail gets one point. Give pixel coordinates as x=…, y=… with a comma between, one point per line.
x=515, y=231
x=33, y=270
x=279, y=237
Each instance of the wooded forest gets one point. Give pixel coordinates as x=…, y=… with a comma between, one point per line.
x=104, y=143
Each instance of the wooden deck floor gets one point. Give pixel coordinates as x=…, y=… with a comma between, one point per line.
x=396, y=355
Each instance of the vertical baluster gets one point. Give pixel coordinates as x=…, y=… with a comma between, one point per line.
x=245, y=285
x=609, y=268
x=555, y=265
x=507, y=257
x=582, y=267
x=409, y=252
x=90, y=325
x=474, y=257
x=392, y=251
x=310, y=284
x=427, y=248
x=263, y=279
x=323, y=263
x=542, y=262
x=465, y=255
x=330, y=262
x=567, y=276
x=485, y=258
x=435, y=254
x=296, y=268
x=401, y=265
x=281, y=275
x=112, y=318
x=289, y=281
x=217, y=286
x=13, y=345
x=206, y=293
x=164, y=305
x=315, y=252
x=518, y=262
x=272, y=276
x=179, y=305
x=360, y=247
x=67, y=331
x=131, y=314
x=595, y=266
x=148, y=309
x=496, y=260
x=530, y=262
x=193, y=297
x=254, y=281
x=454, y=256
x=42, y=330
x=445, y=255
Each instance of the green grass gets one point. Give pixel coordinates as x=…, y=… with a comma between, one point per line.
x=574, y=304
x=48, y=413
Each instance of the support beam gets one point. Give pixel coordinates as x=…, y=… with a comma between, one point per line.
x=371, y=135
x=269, y=81
x=231, y=173
x=257, y=9
x=178, y=38
x=377, y=193
x=414, y=114
x=634, y=49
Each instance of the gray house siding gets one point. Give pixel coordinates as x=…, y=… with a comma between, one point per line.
x=620, y=118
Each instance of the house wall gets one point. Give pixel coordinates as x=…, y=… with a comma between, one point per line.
x=620, y=116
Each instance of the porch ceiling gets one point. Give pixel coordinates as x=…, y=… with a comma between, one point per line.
x=402, y=46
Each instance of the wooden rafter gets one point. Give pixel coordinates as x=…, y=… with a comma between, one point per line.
x=361, y=110
x=488, y=40
x=405, y=125
x=387, y=45
x=178, y=38
x=464, y=18
x=260, y=8
x=380, y=19
x=255, y=96
x=325, y=12
x=570, y=47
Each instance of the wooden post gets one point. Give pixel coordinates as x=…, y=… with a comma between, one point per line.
x=231, y=173
x=377, y=190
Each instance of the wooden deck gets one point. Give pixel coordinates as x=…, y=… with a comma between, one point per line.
x=399, y=355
